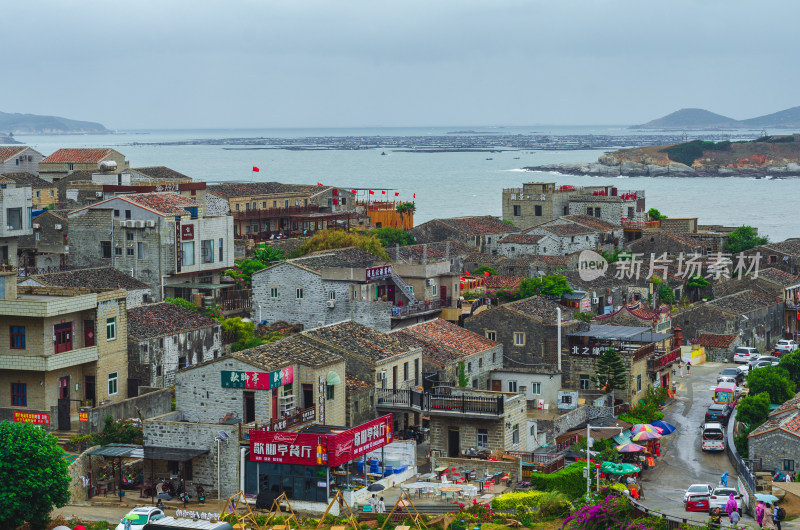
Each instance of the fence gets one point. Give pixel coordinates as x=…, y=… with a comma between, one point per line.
x=466, y=404
x=233, y=299
x=746, y=475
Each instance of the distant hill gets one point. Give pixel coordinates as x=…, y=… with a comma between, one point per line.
x=704, y=119
x=34, y=124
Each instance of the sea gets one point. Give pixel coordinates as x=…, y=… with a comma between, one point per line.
x=445, y=184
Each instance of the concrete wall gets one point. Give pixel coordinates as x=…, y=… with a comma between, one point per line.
x=15, y=165
x=146, y=405
x=549, y=385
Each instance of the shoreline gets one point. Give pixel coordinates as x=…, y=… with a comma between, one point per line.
x=599, y=170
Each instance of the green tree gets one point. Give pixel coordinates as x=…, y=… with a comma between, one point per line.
x=392, y=237
x=791, y=363
x=463, y=379
x=334, y=239
x=610, y=371
x=586, y=316
x=655, y=215
x=243, y=270
x=552, y=285
x=665, y=294
x=268, y=255
x=696, y=284
x=181, y=302
x=483, y=268
x=752, y=410
x=743, y=238
x=33, y=476
x=774, y=380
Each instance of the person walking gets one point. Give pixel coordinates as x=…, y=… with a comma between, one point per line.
x=735, y=519
x=723, y=480
x=688, y=368
x=373, y=503
x=381, y=506
x=760, y=513
x=680, y=368
x=731, y=507
x=768, y=520
x=778, y=515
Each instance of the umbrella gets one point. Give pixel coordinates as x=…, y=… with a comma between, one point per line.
x=763, y=497
x=667, y=428
x=618, y=469
x=645, y=435
x=61, y=528
x=376, y=487
x=645, y=427
x=630, y=448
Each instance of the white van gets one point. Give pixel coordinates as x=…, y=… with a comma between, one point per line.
x=713, y=437
x=744, y=354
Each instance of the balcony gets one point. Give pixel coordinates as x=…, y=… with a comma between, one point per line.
x=274, y=213
x=464, y=403
x=301, y=417
x=539, y=462
x=662, y=359
x=48, y=363
x=419, y=308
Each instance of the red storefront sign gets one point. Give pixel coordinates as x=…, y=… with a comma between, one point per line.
x=320, y=449
x=376, y=273
x=187, y=232
x=83, y=416
x=32, y=417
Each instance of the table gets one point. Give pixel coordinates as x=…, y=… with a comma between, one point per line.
x=449, y=489
x=402, y=527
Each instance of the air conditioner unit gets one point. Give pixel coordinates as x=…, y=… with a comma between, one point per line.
x=430, y=282
x=57, y=226
x=595, y=300
x=382, y=375
x=36, y=226
x=139, y=224
x=150, y=224
x=331, y=303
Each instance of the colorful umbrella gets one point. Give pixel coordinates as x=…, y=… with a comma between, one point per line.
x=666, y=428
x=645, y=435
x=646, y=427
x=618, y=469
x=630, y=448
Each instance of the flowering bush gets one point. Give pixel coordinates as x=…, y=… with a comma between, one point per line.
x=612, y=513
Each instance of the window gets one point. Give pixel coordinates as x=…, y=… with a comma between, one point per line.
x=38, y=194
x=519, y=339
x=19, y=395
x=355, y=407
x=274, y=204
x=483, y=438
x=17, y=337
x=127, y=214
x=597, y=212
x=332, y=295
x=38, y=236
x=192, y=211
x=494, y=357
x=113, y=386
x=221, y=252
x=639, y=383
x=480, y=363
x=433, y=290
x=411, y=288
x=329, y=392
x=585, y=382
x=264, y=205
x=14, y=218
x=187, y=253
x=105, y=249
x=515, y=434
x=129, y=236
x=237, y=206
x=286, y=203
x=590, y=211
x=273, y=292
x=512, y=386
x=416, y=371
x=118, y=251
x=70, y=167
x=788, y=464
x=537, y=210
x=140, y=250
x=298, y=293
x=207, y=250
x=517, y=210
x=111, y=328
x=129, y=251
x=536, y=388
x=469, y=367
x=405, y=371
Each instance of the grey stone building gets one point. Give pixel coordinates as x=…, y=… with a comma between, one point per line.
x=17, y=158
x=449, y=250
x=360, y=401
x=15, y=218
x=784, y=255
x=673, y=244
x=539, y=384
x=48, y=247
x=777, y=441
x=164, y=239
x=564, y=236
x=97, y=279
x=481, y=232
x=718, y=348
x=65, y=161
x=164, y=337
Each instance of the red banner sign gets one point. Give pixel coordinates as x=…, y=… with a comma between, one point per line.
x=376, y=273
x=320, y=449
x=83, y=416
x=187, y=232
x=32, y=417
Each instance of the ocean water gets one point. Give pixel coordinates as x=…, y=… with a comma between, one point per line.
x=445, y=184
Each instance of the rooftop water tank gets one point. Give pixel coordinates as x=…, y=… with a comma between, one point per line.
x=108, y=165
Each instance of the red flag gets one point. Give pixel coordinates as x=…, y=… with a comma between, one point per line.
x=335, y=192
x=255, y=169
x=486, y=273
x=383, y=192
x=415, y=195
x=467, y=272
x=354, y=191
x=371, y=192
x=319, y=183
x=396, y=194
x=462, y=278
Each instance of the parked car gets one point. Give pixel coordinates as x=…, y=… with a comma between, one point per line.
x=697, y=488
x=727, y=379
x=744, y=369
x=697, y=502
x=763, y=363
x=786, y=346
x=718, y=413
x=719, y=498
x=732, y=372
x=743, y=354
x=140, y=517
x=761, y=358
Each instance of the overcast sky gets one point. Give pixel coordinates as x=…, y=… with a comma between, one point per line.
x=350, y=63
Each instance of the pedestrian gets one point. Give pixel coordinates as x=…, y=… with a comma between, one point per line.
x=381, y=506
x=731, y=506
x=735, y=518
x=788, y=477
x=768, y=521
x=778, y=515
x=688, y=367
x=373, y=503
x=760, y=513
x=723, y=480
x=715, y=521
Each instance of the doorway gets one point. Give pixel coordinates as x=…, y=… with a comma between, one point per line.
x=274, y=403
x=453, y=443
x=308, y=395
x=88, y=333
x=89, y=389
x=394, y=377
x=63, y=404
x=497, y=386
x=63, y=335
x=443, y=294
x=249, y=406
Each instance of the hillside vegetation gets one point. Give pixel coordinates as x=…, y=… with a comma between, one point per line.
x=36, y=124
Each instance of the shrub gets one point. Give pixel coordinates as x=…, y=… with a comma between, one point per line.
x=513, y=500
x=569, y=481
x=613, y=512
x=554, y=504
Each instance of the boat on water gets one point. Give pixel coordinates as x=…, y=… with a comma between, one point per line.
x=490, y=159
x=383, y=153
x=516, y=158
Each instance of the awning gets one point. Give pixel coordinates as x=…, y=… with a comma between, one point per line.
x=623, y=438
x=176, y=454
x=117, y=451
x=333, y=378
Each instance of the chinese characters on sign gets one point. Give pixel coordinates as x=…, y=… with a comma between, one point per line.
x=586, y=350
x=168, y=187
x=32, y=417
x=83, y=416
x=534, y=197
x=257, y=380
x=376, y=273
x=586, y=305
x=284, y=448
x=714, y=266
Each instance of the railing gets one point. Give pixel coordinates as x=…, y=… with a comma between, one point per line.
x=280, y=424
x=265, y=213
x=542, y=462
x=413, y=399
x=745, y=473
x=662, y=360
x=33, y=271
x=233, y=299
x=404, y=288
x=644, y=351
x=401, y=397
x=418, y=307
x=640, y=224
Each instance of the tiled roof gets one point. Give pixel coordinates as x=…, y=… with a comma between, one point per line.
x=350, y=257
x=161, y=173
x=359, y=339
x=503, y=282
x=562, y=229
x=480, y=225
x=165, y=203
x=295, y=349
x=594, y=222
x=8, y=152
x=454, y=336
x=6, y=180
x=639, y=311
x=80, y=156
x=789, y=424
x=432, y=351
x=790, y=247
x=522, y=239
x=686, y=239
x=539, y=309
x=438, y=250
x=355, y=385
x=744, y=302
x=711, y=340
x=95, y=278
x=778, y=276
x=29, y=179
x=248, y=189
x=164, y=319
x=787, y=406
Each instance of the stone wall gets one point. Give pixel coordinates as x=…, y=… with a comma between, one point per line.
x=775, y=447
x=361, y=407
x=144, y=406
x=577, y=365
x=573, y=418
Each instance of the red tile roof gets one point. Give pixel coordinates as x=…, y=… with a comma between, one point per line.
x=460, y=339
x=483, y=225
x=789, y=424
x=7, y=152
x=503, y=282
x=712, y=340
x=639, y=311
x=81, y=156
x=167, y=203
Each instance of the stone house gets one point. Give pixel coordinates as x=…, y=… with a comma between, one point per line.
x=450, y=250
x=64, y=161
x=96, y=279
x=360, y=401
x=539, y=384
x=772, y=281
x=611, y=205
x=638, y=314
x=755, y=317
x=19, y=158
x=47, y=248
x=165, y=239
x=156, y=175
x=718, y=348
x=515, y=245
x=67, y=350
x=783, y=255
x=574, y=233
x=15, y=218
x=43, y=193
x=445, y=346
x=527, y=329
x=164, y=337
x=481, y=232
x=777, y=441
x=671, y=243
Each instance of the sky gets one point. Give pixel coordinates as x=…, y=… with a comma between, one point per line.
x=167, y=64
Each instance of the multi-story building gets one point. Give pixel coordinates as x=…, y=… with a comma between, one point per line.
x=47, y=249
x=164, y=239
x=67, y=349
x=64, y=161
x=43, y=193
x=96, y=279
x=19, y=158
x=563, y=236
x=16, y=204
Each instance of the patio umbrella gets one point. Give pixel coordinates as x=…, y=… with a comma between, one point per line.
x=766, y=498
x=666, y=428
x=645, y=427
x=630, y=448
x=645, y=435
x=376, y=487
x=618, y=469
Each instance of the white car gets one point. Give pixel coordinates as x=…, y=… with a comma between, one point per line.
x=140, y=517
x=744, y=354
x=786, y=346
x=719, y=498
x=705, y=489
